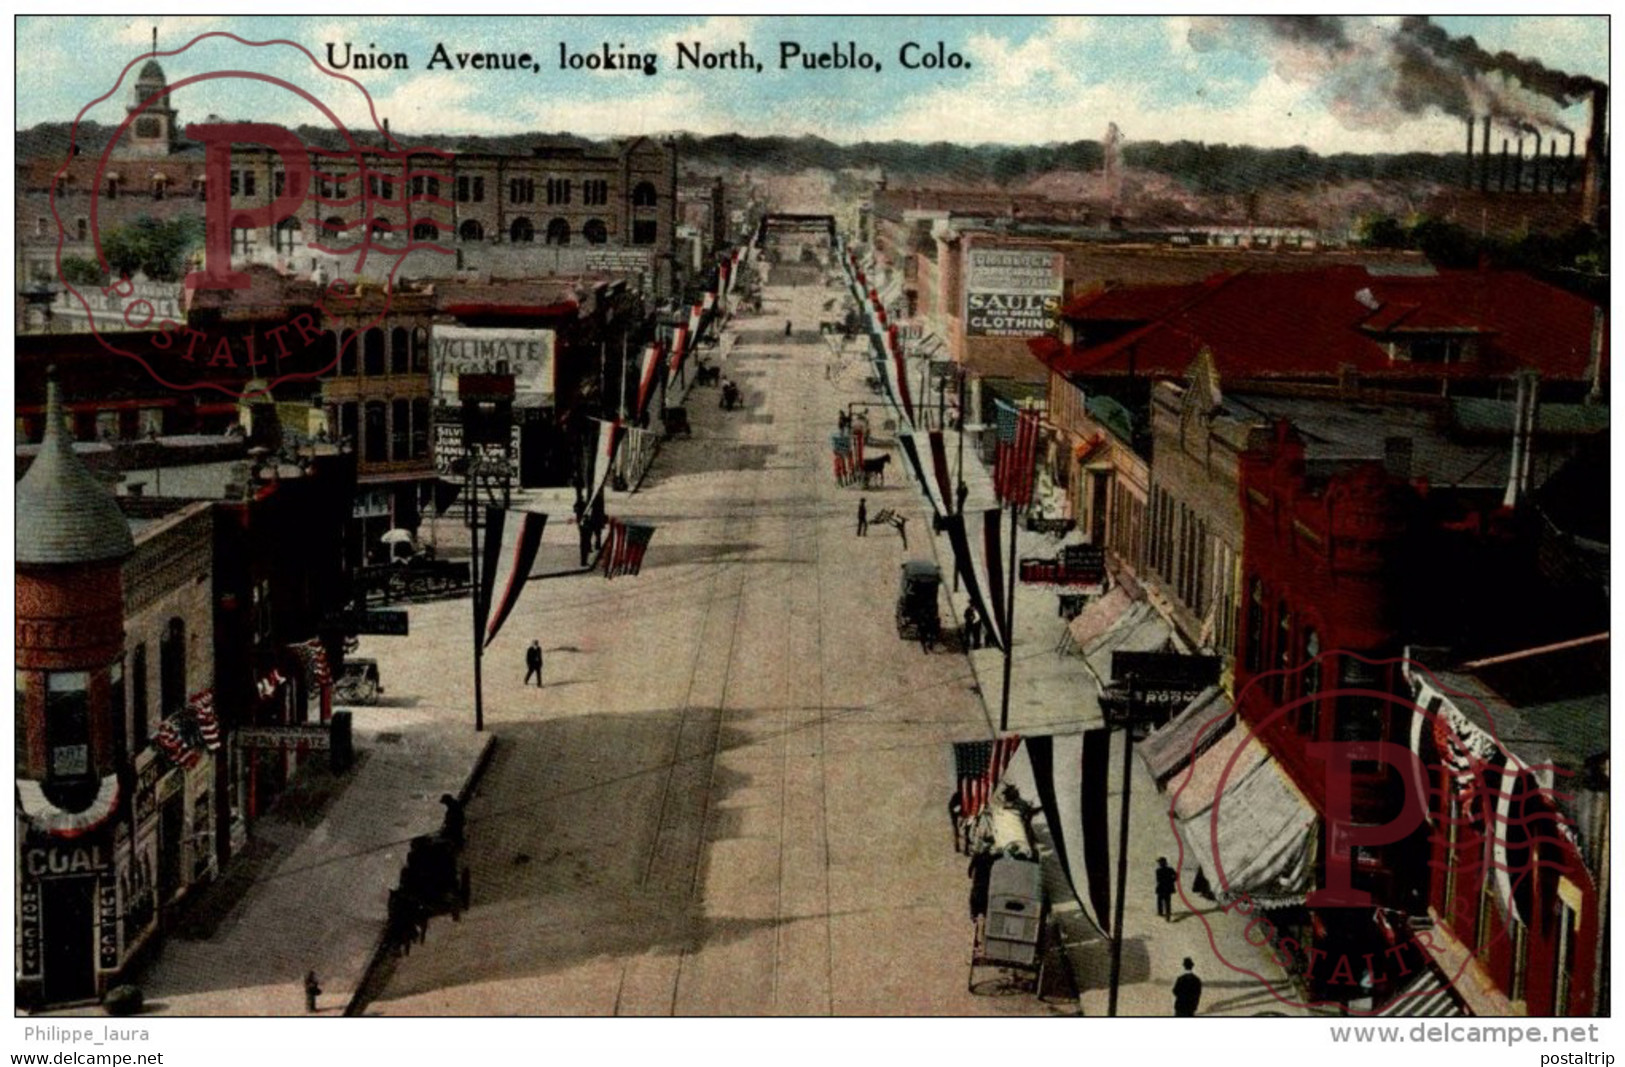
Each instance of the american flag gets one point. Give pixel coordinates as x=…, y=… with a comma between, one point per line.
x=208, y=723
x=171, y=743
x=623, y=553
x=1017, y=453
x=979, y=765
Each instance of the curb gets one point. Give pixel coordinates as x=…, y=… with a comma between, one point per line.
x=363, y=993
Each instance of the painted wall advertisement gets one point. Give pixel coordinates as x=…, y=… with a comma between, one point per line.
x=525, y=354
x=1012, y=293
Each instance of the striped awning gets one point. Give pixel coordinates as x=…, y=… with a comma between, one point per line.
x=1428, y=995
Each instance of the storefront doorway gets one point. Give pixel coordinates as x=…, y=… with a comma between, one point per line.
x=68, y=918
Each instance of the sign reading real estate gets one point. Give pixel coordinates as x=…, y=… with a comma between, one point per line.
x=1012, y=293
x=525, y=354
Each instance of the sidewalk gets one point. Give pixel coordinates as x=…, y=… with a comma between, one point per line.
x=308, y=891
x=1054, y=692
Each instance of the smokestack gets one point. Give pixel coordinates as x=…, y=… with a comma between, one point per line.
x=1568, y=171
x=1484, y=156
x=1503, y=164
x=1524, y=411
x=1468, y=183
x=1517, y=169
x=1534, y=167
x=1551, y=166
x=1596, y=145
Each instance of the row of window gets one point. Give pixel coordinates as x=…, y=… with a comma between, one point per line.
x=400, y=351
x=520, y=231
x=1194, y=564
x=470, y=189
x=387, y=431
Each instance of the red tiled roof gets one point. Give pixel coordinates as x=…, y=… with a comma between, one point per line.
x=1130, y=303
x=1310, y=323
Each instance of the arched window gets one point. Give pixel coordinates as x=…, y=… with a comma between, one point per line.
x=375, y=445
x=1309, y=711
x=332, y=228
x=398, y=354
x=287, y=235
x=521, y=232
x=172, y=668
x=1255, y=626
x=348, y=357
x=558, y=232
x=373, y=352
x=471, y=231
x=595, y=231
x=427, y=230
x=644, y=195
x=383, y=229
x=420, y=349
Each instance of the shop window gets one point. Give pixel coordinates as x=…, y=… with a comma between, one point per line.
x=373, y=352
x=399, y=356
x=401, y=430
x=594, y=231
x=375, y=448
x=645, y=231
x=172, y=668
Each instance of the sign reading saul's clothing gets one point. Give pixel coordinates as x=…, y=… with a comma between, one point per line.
x=1012, y=293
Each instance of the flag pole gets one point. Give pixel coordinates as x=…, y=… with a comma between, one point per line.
x=479, y=688
x=1009, y=626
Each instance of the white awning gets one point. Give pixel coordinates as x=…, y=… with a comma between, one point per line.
x=1265, y=829
x=1427, y=995
x=1098, y=615
x=1138, y=629
x=1194, y=730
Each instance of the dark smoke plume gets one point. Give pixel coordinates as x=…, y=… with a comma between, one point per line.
x=1375, y=74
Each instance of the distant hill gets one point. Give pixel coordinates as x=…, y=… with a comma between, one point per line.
x=1199, y=167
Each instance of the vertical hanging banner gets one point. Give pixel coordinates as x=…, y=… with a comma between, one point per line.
x=982, y=580
x=646, y=379
x=512, y=540
x=603, y=456
x=679, y=348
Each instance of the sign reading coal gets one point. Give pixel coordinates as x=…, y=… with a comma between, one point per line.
x=1012, y=293
x=525, y=354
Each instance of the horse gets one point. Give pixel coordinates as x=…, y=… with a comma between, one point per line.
x=875, y=467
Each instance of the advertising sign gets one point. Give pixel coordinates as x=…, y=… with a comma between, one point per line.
x=1012, y=293
x=525, y=354
x=448, y=449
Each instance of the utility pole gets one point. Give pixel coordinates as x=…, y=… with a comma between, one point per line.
x=1009, y=626
x=473, y=505
x=1122, y=851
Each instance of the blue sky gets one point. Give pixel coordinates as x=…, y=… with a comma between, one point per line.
x=1028, y=79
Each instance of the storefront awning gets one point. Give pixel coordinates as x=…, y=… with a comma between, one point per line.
x=1427, y=995
x=1193, y=730
x=1138, y=629
x=1265, y=828
x=1098, y=615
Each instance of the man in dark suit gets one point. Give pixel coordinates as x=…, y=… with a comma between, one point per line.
x=1187, y=990
x=1167, y=885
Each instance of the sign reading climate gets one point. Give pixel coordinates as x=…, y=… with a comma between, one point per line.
x=1012, y=294
x=525, y=354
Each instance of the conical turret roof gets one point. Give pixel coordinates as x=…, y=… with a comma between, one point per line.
x=64, y=515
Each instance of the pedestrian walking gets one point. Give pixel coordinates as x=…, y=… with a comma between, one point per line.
x=584, y=535
x=533, y=663
x=1187, y=990
x=1167, y=883
x=599, y=521
x=787, y=327
x=453, y=825
x=863, y=517
x=973, y=627
x=902, y=528
x=313, y=989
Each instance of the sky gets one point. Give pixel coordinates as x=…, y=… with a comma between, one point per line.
x=1023, y=79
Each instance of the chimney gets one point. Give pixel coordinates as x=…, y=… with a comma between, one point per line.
x=1484, y=169
x=1517, y=168
x=1524, y=411
x=1468, y=182
x=1534, y=167
x=1596, y=145
x=1551, y=166
x=1396, y=456
x=1504, y=147
x=1568, y=171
